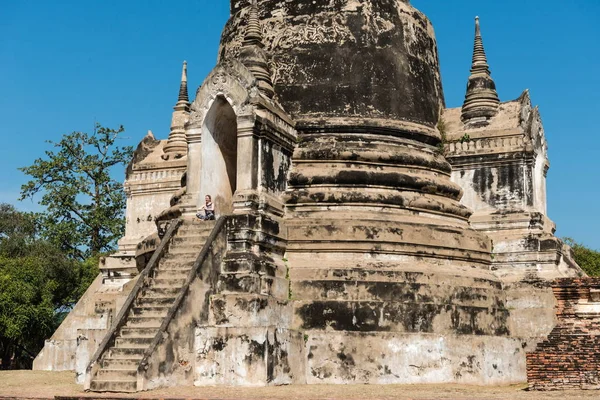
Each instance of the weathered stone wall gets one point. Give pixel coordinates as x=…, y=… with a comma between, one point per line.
x=503, y=183
x=384, y=322
x=570, y=357
x=249, y=356
x=351, y=58
x=392, y=358
x=274, y=169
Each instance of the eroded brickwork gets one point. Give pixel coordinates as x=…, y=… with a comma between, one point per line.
x=570, y=357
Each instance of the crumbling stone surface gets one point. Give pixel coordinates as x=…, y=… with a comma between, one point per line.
x=386, y=358
x=570, y=357
x=351, y=58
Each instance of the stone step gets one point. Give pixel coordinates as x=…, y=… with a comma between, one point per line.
x=174, y=265
x=196, y=241
x=127, y=332
x=149, y=311
x=168, y=282
x=178, y=267
x=98, y=385
x=120, y=363
x=143, y=322
x=107, y=374
x=133, y=342
x=135, y=353
x=185, y=250
x=155, y=301
x=160, y=292
x=172, y=274
x=180, y=257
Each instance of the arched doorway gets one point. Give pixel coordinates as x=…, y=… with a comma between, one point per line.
x=219, y=156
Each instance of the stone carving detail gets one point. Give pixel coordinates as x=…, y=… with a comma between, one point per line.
x=218, y=82
x=486, y=143
x=319, y=29
x=229, y=79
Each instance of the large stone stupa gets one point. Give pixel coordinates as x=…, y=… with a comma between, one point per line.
x=365, y=233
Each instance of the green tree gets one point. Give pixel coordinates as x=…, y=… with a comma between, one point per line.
x=17, y=230
x=26, y=308
x=588, y=259
x=84, y=206
x=38, y=285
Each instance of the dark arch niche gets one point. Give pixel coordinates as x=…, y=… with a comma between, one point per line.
x=219, y=156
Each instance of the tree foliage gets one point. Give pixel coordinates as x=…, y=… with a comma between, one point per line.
x=84, y=205
x=38, y=283
x=588, y=259
x=17, y=231
x=26, y=308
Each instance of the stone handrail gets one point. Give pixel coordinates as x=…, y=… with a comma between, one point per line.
x=195, y=272
x=121, y=319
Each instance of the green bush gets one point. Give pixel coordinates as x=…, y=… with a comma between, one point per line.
x=588, y=259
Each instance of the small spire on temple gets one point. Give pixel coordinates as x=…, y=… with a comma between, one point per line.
x=183, y=98
x=481, y=101
x=252, y=55
x=177, y=144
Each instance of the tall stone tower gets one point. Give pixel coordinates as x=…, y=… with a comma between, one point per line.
x=345, y=249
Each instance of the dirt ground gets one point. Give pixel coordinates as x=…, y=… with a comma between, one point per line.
x=38, y=384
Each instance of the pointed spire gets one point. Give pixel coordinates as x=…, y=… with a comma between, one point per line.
x=252, y=55
x=183, y=89
x=177, y=144
x=481, y=101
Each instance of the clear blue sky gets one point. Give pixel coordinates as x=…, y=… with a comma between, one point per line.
x=65, y=64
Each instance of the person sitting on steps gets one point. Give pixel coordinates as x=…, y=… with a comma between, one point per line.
x=208, y=208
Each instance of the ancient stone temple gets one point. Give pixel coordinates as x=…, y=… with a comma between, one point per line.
x=364, y=232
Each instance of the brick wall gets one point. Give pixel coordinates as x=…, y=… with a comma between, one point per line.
x=570, y=357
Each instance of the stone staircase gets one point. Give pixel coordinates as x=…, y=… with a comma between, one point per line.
x=119, y=364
